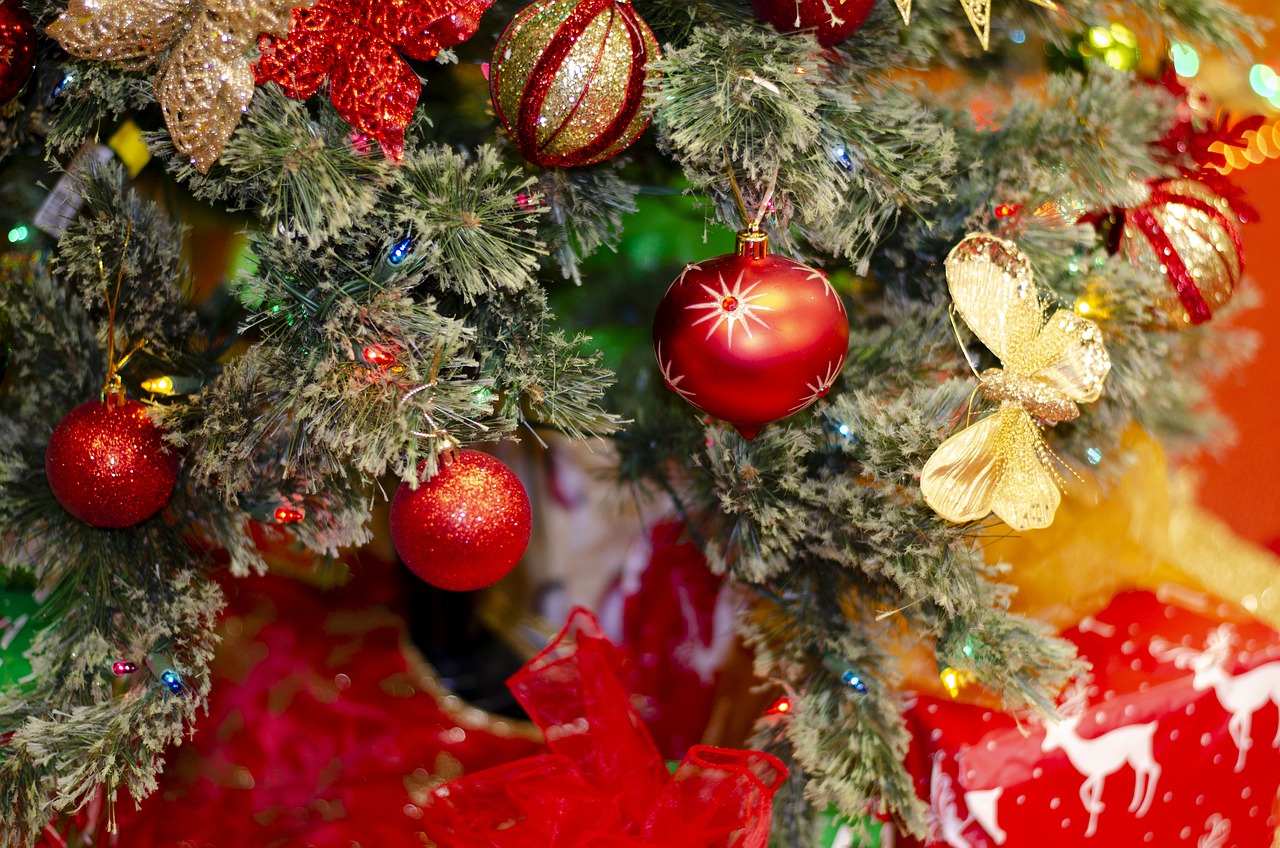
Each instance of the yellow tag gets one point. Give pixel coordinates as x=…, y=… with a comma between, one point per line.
x=129, y=146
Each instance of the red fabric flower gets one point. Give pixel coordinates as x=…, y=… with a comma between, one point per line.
x=357, y=44
x=604, y=784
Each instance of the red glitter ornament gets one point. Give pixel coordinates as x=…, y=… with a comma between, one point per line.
x=750, y=338
x=108, y=465
x=1191, y=235
x=832, y=21
x=567, y=80
x=17, y=49
x=357, y=44
x=466, y=527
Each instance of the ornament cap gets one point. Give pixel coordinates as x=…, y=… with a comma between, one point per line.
x=752, y=244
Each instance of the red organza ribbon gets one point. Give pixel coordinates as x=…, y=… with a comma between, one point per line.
x=604, y=784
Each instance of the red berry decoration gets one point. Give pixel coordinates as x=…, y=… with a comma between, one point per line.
x=1190, y=234
x=108, y=465
x=749, y=337
x=832, y=21
x=567, y=80
x=466, y=527
x=17, y=49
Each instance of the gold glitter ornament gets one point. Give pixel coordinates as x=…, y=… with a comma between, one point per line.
x=1189, y=234
x=205, y=80
x=1001, y=464
x=567, y=80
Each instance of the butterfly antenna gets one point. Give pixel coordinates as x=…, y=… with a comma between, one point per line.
x=955, y=328
x=968, y=416
x=1048, y=453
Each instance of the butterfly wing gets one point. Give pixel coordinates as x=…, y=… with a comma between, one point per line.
x=997, y=465
x=121, y=30
x=1069, y=356
x=960, y=480
x=1027, y=495
x=993, y=290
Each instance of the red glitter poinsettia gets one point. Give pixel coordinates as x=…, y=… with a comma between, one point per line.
x=356, y=44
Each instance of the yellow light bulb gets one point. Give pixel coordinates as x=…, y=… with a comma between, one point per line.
x=158, y=385
x=951, y=680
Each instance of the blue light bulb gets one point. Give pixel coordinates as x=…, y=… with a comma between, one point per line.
x=400, y=250
x=854, y=682
x=171, y=679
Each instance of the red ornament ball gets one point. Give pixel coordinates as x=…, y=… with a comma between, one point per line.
x=832, y=21
x=749, y=337
x=466, y=527
x=567, y=80
x=1190, y=234
x=108, y=465
x=17, y=49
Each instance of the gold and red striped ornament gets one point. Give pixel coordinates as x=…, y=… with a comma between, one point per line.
x=567, y=80
x=1190, y=234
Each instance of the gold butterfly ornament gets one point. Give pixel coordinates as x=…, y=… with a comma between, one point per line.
x=205, y=50
x=1002, y=464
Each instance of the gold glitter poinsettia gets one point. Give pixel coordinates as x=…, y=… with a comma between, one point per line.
x=205, y=81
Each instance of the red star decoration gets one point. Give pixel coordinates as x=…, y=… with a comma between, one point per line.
x=356, y=45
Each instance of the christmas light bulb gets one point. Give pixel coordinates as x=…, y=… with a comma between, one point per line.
x=379, y=357
x=288, y=515
x=158, y=385
x=122, y=667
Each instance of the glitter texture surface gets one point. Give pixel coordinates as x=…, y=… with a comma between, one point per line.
x=108, y=465
x=832, y=21
x=17, y=49
x=466, y=527
x=1188, y=234
x=356, y=44
x=205, y=80
x=1001, y=464
x=567, y=80
x=750, y=340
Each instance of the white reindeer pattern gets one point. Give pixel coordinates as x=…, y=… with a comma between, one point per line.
x=1100, y=757
x=1242, y=695
x=943, y=816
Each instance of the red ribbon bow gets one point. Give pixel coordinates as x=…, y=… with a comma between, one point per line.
x=604, y=784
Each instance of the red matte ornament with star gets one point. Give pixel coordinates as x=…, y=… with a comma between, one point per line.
x=108, y=465
x=356, y=45
x=832, y=21
x=567, y=80
x=466, y=527
x=749, y=337
x=17, y=49
x=1173, y=742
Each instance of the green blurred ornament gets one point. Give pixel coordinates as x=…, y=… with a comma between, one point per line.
x=837, y=831
x=1115, y=45
x=17, y=631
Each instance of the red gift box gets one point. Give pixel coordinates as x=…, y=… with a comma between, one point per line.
x=1173, y=739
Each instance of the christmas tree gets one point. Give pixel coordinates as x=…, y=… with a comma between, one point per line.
x=963, y=274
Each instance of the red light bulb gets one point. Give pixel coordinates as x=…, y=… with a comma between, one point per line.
x=288, y=515
x=378, y=357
